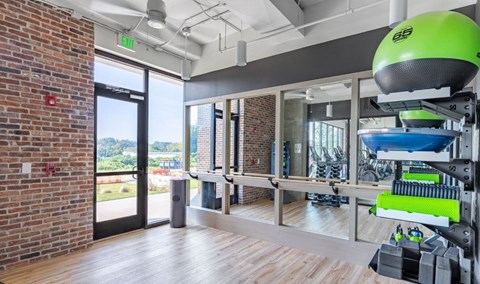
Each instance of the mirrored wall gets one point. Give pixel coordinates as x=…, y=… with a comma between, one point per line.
x=204, y=144
x=370, y=169
x=316, y=130
x=317, y=144
x=255, y=135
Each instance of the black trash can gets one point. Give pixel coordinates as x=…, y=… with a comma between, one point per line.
x=178, y=203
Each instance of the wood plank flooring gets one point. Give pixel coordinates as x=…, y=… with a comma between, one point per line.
x=331, y=221
x=194, y=254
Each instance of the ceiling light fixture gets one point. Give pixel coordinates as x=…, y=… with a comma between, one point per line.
x=241, y=53
x=156, y=14
x=186, y=68
x=329, y=110
x=398, y=12
x=241, y=49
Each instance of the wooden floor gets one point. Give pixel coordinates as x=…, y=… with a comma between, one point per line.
x=331, y=221
x=194, y=254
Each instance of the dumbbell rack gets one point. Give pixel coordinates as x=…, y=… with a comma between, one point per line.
x=460, y=107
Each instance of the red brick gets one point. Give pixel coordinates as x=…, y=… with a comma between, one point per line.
x=43, y=51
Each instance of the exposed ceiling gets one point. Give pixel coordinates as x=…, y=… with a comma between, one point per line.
x=307, y=3
x=259, y=22
x=209, y=20
x=204, y=30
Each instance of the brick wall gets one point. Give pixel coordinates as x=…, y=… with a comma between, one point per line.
x=203, y=137
x=44, y=52
x=257, y=132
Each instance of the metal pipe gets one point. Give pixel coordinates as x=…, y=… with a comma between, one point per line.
x=208, y=19
x=349, y=6
x=225, y=45
x=56, y=6
x=71, y=11
x=230, y=24
x=220, y=42
x=137, y=39
x=184, y=21
x=208, y=9
x=137, y=25
x=204, y=11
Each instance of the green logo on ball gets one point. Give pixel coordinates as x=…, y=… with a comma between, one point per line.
x=402, y=35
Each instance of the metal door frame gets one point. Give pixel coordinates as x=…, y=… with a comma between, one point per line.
x=125, y=224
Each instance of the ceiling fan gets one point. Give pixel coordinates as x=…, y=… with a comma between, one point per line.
x=156, y=13
x=308, y=95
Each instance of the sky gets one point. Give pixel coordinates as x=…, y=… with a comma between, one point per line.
x=118, y=119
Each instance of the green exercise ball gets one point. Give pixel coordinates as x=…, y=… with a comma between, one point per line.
x=420, y=118
x=431, y=50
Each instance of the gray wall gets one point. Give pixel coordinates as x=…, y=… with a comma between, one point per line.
x=295, y=127
x=351, y=54
x=341, y=110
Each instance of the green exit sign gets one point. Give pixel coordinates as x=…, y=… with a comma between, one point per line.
x=126, y=42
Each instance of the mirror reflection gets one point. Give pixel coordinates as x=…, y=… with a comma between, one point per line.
x=316, y=130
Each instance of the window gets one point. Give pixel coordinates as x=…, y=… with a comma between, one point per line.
x=110, y=72
x=328, y=136
x=165, y=134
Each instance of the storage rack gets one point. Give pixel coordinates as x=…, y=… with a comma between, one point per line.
x=286, y=159
x=460, y=107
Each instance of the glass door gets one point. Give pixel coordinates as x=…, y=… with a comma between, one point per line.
x=165, y=134
x=120, y=161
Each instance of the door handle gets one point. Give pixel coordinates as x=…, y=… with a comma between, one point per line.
x=141, y=172
x=133, y=175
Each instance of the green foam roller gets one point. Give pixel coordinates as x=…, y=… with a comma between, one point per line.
x=435, y=178
x=433, y=206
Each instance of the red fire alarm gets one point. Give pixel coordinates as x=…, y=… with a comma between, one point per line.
x=50, y=101
x=50, y=168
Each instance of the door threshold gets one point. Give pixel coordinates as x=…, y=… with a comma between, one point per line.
x=158, y=223
x=122, y=235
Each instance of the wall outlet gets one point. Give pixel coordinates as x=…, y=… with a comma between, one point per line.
x=26, y=168
x=298, y=148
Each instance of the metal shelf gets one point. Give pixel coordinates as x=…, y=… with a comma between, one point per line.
x=422, y=218
x=455, y=107
x=417, y=95
x=414, y=156
x=461, y=234
x=460, y=107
